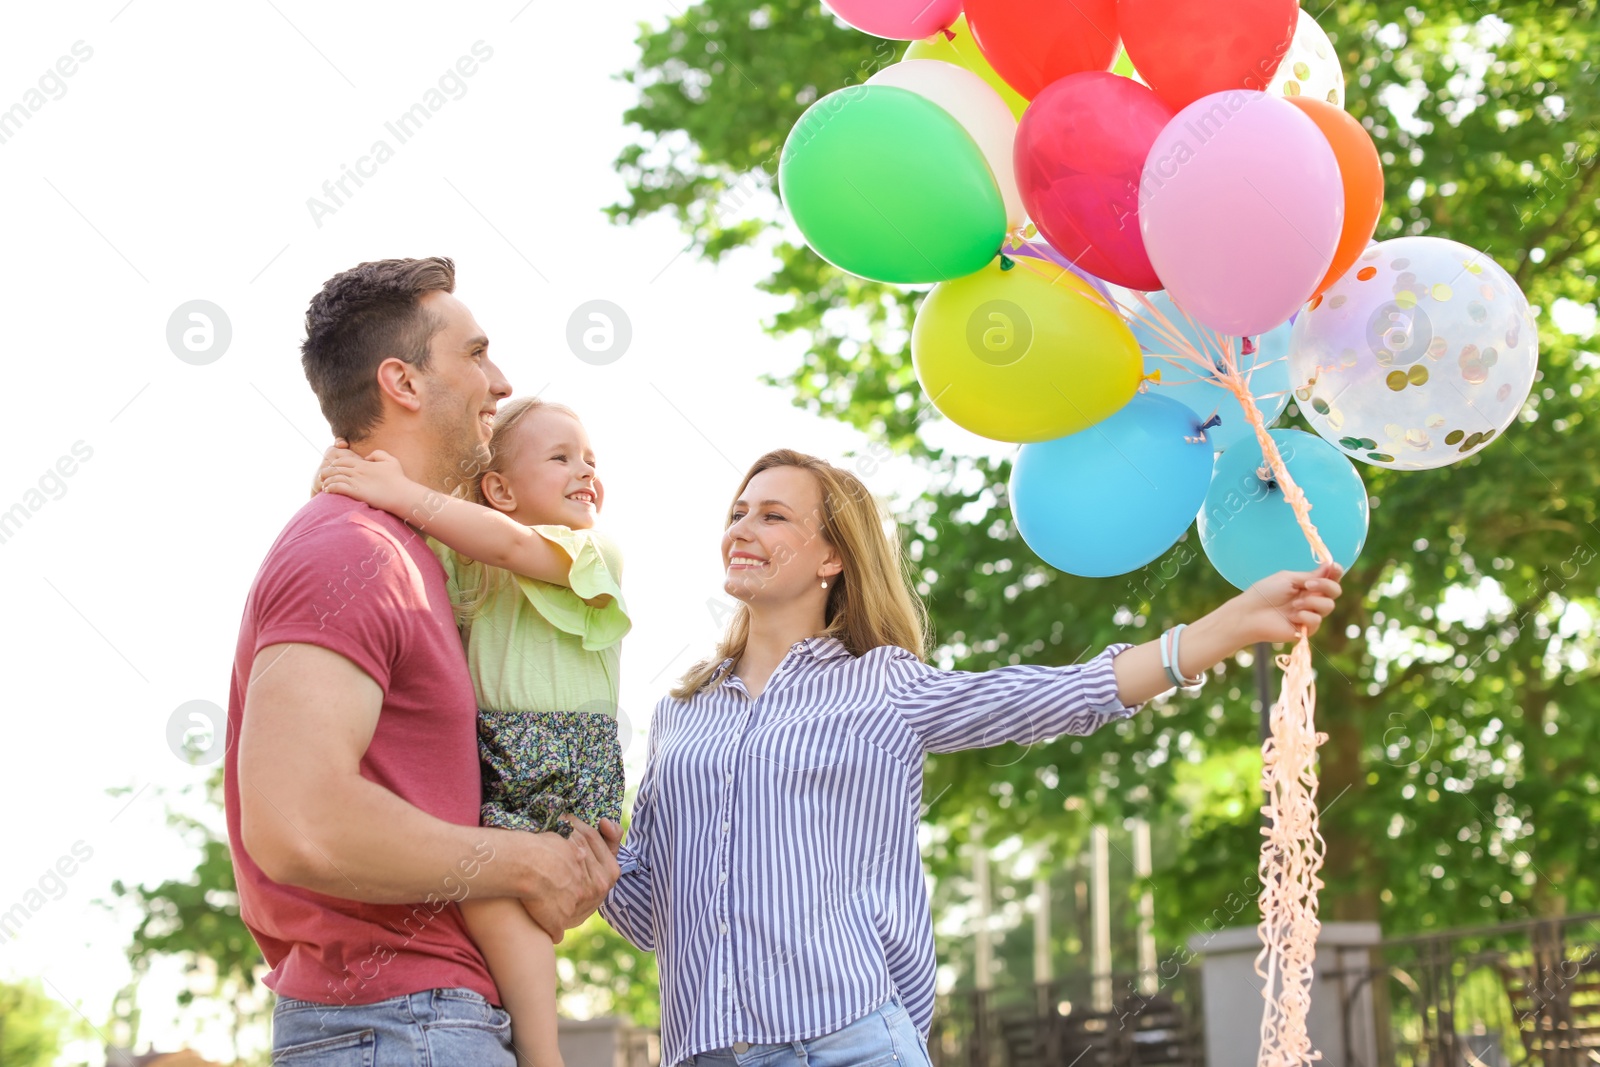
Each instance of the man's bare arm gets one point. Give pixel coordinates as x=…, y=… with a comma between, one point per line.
x=309, y=819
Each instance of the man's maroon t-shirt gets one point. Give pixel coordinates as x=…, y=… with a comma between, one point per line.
x=360, y=582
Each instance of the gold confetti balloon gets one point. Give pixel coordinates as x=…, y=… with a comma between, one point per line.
x=1419, y=356
x=1311, y=66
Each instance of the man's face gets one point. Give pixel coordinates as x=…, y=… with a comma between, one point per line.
x=463, y=386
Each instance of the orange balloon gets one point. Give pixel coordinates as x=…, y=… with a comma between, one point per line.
x=1362, y=173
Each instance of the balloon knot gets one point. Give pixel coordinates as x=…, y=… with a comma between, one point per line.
x=1264, y=472
x=1214, y=420
x=1006, y=262
x=1249, y=346
x=949, y=34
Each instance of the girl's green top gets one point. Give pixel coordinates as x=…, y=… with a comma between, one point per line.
x=536, y=646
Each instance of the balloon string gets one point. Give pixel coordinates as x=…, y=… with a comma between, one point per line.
x=1292, y=850
x=1036, y=266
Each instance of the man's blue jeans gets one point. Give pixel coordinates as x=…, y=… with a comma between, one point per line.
x=434, y=1028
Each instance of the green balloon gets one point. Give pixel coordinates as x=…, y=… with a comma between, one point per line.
x=885, y=184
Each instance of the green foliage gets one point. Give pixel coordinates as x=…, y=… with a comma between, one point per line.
x=1456, y=681
x=196, y=919
x=608, y=975
x=31, y=1025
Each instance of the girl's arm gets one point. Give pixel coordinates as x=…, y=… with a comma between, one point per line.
x=473, y=530
x=950, y=711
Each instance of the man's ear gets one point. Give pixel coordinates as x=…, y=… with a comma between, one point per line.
x=497, y=491
x=400, y=383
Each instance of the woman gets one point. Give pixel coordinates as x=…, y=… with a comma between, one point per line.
x=772, y=860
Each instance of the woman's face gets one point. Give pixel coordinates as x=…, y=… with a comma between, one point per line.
x=774, y=551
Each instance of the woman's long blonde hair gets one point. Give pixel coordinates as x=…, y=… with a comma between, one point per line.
x=871, y=603
x=477, y=582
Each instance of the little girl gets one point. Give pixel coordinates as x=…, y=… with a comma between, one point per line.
x=537, y=597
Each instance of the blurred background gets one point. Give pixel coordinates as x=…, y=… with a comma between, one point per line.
x=624, y=154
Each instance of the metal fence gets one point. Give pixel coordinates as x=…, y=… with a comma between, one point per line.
x=1522, y=994
x=1058, y=1023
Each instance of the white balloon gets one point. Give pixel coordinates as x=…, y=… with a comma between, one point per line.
x=976, y=106
x=1422, y=354
x=1311, y=66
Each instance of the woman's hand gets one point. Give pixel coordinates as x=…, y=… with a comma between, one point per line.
x=377, y=479
x=1275, y=609
x=1279, y=606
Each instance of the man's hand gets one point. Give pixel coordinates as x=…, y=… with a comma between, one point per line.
x=577, y=873
x=377, y=479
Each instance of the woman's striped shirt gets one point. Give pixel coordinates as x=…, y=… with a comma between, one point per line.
x=772, y=860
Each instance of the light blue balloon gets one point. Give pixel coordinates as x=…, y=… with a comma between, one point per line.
x=1111, y=498
x=1267, y=366
x=1249, y=530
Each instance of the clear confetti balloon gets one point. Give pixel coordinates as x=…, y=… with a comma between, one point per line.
x=1418, y=357
x=1311, y=66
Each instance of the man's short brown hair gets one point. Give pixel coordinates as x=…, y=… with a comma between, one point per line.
x=363, y=316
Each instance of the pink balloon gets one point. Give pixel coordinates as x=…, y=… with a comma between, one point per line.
x=1241, y=206
x=898, y=20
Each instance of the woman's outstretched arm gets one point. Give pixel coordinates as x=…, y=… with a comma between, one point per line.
x=954, y=710
x=1272, y=610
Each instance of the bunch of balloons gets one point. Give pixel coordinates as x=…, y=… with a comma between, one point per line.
x=1119, y=203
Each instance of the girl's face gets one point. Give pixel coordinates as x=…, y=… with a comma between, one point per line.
x=774, y=551
x=551, y=479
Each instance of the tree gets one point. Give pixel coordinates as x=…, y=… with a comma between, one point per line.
x=31, y=1025
x=196, y=919
x=1456, y=678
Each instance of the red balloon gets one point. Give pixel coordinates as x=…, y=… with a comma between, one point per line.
x=1031, y=43
x=1079, y=155
x=1187, y=50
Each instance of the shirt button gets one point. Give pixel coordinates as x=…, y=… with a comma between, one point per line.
x=723, y=877
x=725, y=827
x=730, y=777
x=724, y=928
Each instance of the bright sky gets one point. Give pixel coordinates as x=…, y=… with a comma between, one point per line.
x=174, y=164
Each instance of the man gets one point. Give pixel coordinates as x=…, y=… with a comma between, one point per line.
x=353, y=790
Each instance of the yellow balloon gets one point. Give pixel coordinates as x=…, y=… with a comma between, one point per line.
x=962, y=50
x=1026, y=354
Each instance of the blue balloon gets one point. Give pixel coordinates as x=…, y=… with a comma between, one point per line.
x=1249, y=530
x=1267, y=367
x=1113, y=497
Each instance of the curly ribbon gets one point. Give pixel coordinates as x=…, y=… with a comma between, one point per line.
x=1292, y=849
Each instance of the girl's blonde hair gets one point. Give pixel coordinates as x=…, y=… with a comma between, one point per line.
x=477, y=582
x=870, y=603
